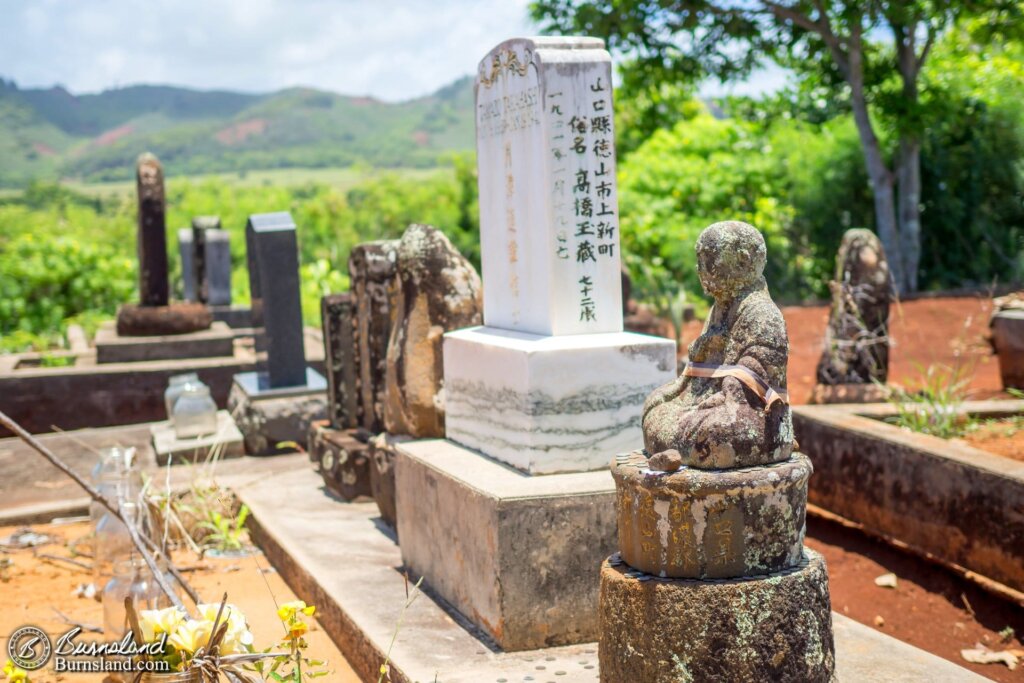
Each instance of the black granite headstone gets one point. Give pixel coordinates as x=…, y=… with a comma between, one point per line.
x=274, y=266
x=200, y=226
x=152, y=232
x=218, y=268
x=255, y=291
x=338, y=320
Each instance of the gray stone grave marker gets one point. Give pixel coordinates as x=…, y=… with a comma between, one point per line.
x=152, y=232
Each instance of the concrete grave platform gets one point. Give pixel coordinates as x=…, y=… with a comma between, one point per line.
x=360, y=590
x=112, y=394
x=519, y=555
x=963, y=506
x=114, y=348
x=226, y=441
x=268, y=416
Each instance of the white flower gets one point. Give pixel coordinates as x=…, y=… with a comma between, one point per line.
x=238, y=637
x=156, y=621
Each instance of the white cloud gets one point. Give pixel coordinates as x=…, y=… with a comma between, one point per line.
x=385, y=48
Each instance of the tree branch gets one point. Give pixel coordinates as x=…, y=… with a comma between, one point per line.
x=932, y=33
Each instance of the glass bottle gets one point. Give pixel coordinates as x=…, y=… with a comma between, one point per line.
x=195, y=413
x=175, y=387
x=113, y=543
x=115, y=477
x=132, y=577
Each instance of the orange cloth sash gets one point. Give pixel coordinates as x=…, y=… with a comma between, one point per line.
x=749, y=378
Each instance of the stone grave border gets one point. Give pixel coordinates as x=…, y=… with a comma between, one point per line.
x=87, y=394
x=941, y=499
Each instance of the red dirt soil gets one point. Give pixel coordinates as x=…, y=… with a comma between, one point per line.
x=1002, y=437
x=947, y=330
x=930, y=608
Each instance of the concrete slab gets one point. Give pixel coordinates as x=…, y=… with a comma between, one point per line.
x=518, y=555
x=112, y=394
x=941, y=497
x=336, y=555
x=226, y=441
x=114, y=348
x=33, y=490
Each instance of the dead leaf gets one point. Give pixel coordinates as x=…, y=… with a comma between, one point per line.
x=982, y=655
x=886, y=580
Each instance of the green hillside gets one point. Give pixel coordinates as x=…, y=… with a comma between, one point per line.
x=50, y=134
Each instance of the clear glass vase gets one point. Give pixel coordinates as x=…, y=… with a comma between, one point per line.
x=116, y=477
x=175, y=386
x=132, y=578
x=195, y=413
x=112, y=542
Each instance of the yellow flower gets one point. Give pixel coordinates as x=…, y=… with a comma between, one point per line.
x=14, y=674
x=191, y=635
x=157, y=621
x=297, y=629
x=289, y=610
x=238, y=636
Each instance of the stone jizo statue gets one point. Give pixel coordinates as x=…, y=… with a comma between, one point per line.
x=857, y=339
x=729, y=408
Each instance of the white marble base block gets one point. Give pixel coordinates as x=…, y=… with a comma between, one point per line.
x=551, y=404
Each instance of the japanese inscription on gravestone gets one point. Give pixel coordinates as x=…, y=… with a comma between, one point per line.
x=549, y=225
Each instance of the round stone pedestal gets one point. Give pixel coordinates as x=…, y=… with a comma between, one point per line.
x=711, y=523
x=774, y=628
x=180, y=317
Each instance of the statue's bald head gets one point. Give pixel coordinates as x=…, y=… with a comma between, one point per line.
x=730, y=256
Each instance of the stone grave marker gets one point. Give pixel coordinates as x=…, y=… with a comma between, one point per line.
x=523, y=388
x=155, y=316
x=372, y=267
x=186, y=250
x=152, y=232
x=217, y=279
x=713, y=509
x=341, y=359
x=550, y=384
x=855, y=361
x=281, y=403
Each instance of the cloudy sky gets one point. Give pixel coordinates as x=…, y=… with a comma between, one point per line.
x=391, y=49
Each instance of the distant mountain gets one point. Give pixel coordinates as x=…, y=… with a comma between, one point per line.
x=51, y=133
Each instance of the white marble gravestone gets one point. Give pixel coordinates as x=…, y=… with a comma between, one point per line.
x=551, y=383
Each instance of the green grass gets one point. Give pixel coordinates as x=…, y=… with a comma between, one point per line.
x=340, y=179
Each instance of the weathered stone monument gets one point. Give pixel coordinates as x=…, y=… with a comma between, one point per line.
x=712, y=581
x=156, y=328
x=211, y=261
x=277, y=404
x=371, y=269
x=550, y=384
x=438, y=292
x=337, y=446
x=856, y=355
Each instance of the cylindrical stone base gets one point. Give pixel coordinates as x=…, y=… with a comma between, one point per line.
x=774, y=628
x=134, y=320
x=714, y=524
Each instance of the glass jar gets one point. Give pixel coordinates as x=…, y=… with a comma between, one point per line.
x=116, y=478
x=175, y=387
x=195, y=413
x=113, y=543
x=131, y=578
